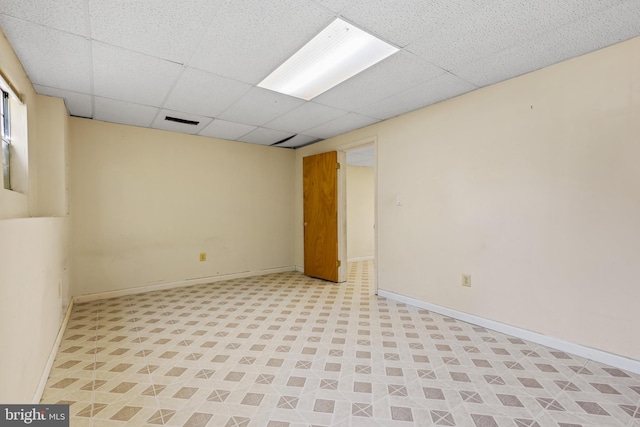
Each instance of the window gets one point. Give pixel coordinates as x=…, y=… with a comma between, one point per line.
x=6, y=140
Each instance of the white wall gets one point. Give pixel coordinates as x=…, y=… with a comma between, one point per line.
x=530, y=186
x=34, y=261
x=147, y=202
x=360, y=212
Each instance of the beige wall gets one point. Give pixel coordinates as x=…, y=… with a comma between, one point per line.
x=147, y=202
x=52, y=152
x=530, y=186
x=34, y=261
x=360, y=212
x=33, y=279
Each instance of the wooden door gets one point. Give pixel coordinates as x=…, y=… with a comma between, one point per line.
x=320, y=195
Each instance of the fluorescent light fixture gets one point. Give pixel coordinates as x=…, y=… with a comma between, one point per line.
x=337, y=53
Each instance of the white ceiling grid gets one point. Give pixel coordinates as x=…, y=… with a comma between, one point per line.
x=55, y=58
x=264, y=136
x=307, y=116
x=374, y=84
x=78, y=104
x=110, y=110
x=259, y=106
x=137, y=61
x=341, y=125
x=199, y=92
x=226, y=130
x=130, y=76
x=248, y=39
x=442, y=87
x=167, y=30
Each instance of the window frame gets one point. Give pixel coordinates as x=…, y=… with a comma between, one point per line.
x=5, y=134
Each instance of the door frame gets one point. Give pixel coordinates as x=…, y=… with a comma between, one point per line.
x=342, y=205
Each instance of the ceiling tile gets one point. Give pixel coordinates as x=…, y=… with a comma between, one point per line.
x=250, y=38
x=199, y=92
x=404, y=22
x=50, y=57
x=498, y=26
x=158, y=54
x=161, y=123
x=108, y=110
x=593, y=32
x=396, y=73
x=64, y=15
x=226, y=130
x=341, y=125
x=78, y=104
x=298, y=141
x=597, y=31
x=129, y=76
x=182, y=23
x=264, y=136
x=333, y=5
x=435, y=90
x=259, y=106
x=306, y=116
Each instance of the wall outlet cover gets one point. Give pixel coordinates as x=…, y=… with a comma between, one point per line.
x=466, y=280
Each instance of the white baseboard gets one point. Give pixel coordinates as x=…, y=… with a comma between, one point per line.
x=299, y=269
x=360, y=258
x=178, y=284
x=52, y=356
x=621, y=362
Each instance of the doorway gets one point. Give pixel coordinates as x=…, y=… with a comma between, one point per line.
x=360, y=189
x=360, y=204
x=363, y=148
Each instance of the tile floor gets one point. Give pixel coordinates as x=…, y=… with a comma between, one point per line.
x=287, y=350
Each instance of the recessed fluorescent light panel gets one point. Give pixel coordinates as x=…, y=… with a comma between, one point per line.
x=337, y=53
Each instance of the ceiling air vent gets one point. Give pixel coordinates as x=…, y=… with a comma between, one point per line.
x=183, y=121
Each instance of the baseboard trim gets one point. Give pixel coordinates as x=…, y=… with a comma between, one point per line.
x=615, y=360
x=178, y=284
x=360, y=258
x=52, y=355
x=299, y=269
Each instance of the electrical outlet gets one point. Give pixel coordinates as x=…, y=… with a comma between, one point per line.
x=466, y=280
x=203, y=256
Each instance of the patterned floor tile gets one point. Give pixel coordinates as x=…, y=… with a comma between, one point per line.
x=288, y=350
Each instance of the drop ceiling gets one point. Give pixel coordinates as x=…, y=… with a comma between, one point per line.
x=137, y=61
